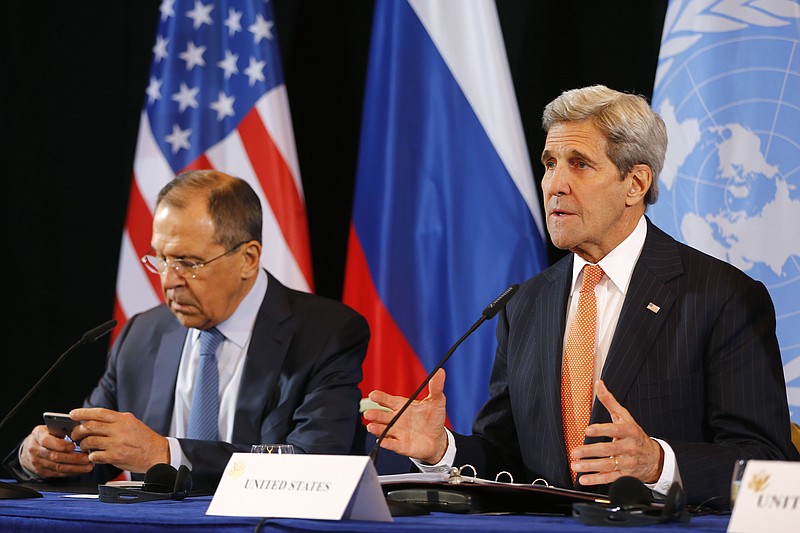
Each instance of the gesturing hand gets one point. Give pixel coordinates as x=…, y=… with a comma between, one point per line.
x=419, y=432
x=631, y=451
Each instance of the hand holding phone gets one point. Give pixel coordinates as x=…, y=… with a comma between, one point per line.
x=59, y=424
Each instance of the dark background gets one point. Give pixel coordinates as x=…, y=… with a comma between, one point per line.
x=73, y=78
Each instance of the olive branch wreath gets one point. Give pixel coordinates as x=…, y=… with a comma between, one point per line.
x=688, y=20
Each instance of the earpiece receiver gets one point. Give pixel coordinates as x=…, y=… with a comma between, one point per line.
x=632, y=505
x=161, y=482
x=183, y=483
x=628, y=490
x=160, y=478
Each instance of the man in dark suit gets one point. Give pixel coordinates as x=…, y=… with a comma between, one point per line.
x=288, y=364
x=686, y=374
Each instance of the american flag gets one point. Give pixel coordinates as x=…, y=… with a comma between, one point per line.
x=216, y=99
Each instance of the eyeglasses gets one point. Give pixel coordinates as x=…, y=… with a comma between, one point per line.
x=184, y=267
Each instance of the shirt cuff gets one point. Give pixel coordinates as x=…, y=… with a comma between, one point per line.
x=176, y=456
x=23, y=473
x=446, y=462
x=669, y=472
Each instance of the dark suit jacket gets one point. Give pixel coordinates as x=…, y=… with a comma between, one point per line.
x=299, y=384
x=704, y=373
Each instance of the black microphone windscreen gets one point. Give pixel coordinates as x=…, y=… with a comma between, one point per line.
x=500, y=302
x=629, y=490
x=95, y=333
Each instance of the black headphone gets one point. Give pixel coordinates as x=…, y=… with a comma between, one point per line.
x=161, y=482
x=632, y=505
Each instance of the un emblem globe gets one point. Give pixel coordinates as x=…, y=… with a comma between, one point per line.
x=731, y=183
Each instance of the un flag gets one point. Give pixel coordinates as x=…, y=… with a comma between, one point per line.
x=728, y=88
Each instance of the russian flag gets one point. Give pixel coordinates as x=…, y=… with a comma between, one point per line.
x=446, y=215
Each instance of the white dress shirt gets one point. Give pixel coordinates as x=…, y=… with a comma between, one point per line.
x=237, y=329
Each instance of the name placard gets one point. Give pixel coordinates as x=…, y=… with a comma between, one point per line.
x=768, y=498
x=329, y=487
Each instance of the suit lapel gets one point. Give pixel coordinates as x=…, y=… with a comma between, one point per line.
x=647, y=304
x=158, y=412
x=268, y=348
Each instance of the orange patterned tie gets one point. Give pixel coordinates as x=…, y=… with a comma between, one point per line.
x=577, y=372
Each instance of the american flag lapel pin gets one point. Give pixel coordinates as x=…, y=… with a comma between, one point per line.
x=653, y=307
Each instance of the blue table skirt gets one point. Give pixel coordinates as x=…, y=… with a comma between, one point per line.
x=58, y=512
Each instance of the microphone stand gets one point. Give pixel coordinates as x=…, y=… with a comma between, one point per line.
x=491, y=310
x=12, y=490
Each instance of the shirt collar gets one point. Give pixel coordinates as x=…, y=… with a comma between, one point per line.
x=239, y=325
x=618, y=263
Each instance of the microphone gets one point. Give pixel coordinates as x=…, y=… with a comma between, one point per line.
x=18, y=491
x=491, y=310
x=95, y=333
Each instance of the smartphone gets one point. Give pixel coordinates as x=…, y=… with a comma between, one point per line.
x=59, y=424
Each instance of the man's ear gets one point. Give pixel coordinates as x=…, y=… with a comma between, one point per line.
x=252, y=259
x=641, y=179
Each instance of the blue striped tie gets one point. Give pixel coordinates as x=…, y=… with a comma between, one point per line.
x=204, y=416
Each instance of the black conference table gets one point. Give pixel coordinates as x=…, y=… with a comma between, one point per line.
x=61, y=511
